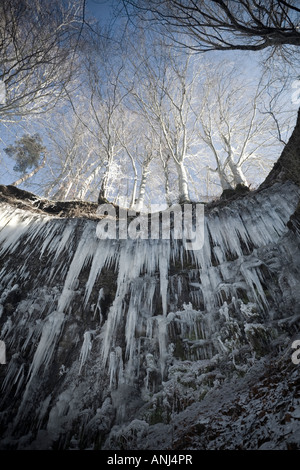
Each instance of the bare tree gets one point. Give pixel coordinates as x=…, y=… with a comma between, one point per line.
x=103, y=96
x=164, y=91
x=224, y=24
x=148, y=156
x=105, y=113
x=74, y=167
x=232, y=124
x=38, y=51
x=138, y=142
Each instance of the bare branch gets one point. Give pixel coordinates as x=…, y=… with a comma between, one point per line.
x=222, y=24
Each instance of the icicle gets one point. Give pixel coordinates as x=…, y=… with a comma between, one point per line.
x=19, y=379
x=11, y=374
x=104, y=254
x=98, y=307
x=116, y=368
x=162, y=333
x=164, y=257
x=150, y=369
x=85, y=349
x=110, y=328
x=82, y=255
x=224, y=311
x=46, y=347
x=13, y=225
x=136, y=338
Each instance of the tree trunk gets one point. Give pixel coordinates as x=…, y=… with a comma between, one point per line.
x=63, y=191
x=104, y=186
x=238, y=175
x=29, y=175
x=141, y=197
x=182, y=183
x=223, y=180
x=167, y=187
x=133, y=194
x=86, y=185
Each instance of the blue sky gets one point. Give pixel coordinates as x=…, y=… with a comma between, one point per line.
x=246, y=62
x=99, y=8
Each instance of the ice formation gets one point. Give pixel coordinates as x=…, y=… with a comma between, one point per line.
x=93, y=325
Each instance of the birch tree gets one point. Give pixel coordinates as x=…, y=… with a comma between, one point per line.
x=74, y=168
x=138, y=142
x=164, y=92
x=103, y=98
x=232, y=125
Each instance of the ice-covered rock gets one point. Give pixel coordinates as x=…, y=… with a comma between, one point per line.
x=142, y=328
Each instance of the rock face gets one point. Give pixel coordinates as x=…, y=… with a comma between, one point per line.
x=125, y=344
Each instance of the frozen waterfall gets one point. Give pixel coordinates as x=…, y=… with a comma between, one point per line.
x=91, y=324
